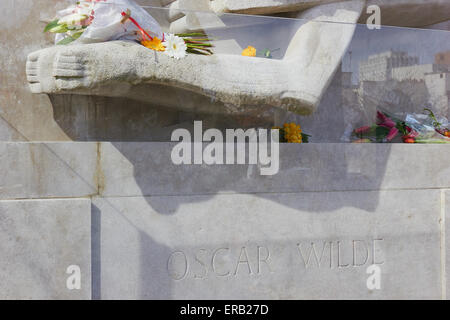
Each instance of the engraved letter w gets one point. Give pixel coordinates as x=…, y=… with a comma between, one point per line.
x=311, y=252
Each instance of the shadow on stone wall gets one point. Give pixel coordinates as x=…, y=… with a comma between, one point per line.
x=151, y=281
x=96, y=118
x=306, y=168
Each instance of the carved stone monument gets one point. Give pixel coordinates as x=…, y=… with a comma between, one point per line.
x=122, y=69
x=339, y=221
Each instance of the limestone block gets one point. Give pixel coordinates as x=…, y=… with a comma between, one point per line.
x=6, y=132
x=446, y=233
x=25, y=116
x=39, y=241
x=281, y=246
x=47, y=170
x=135, y=169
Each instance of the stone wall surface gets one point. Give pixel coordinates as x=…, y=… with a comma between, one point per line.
x=25, y=116
x=275, y=246
x=39, y=241
x=156, y=231
x=446, y=255
x=140, y=227
x=134, y=169
x=48, y=170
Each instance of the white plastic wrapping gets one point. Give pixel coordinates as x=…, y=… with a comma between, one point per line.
x=107, y=21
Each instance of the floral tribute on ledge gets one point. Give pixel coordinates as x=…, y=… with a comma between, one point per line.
x=410, y=128
x=92, y=21
x=292, y=133
x=251, y=51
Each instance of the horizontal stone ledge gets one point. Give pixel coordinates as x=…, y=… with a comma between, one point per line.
x=48, y=170
x=39, y=241
x=140, y=168
x=254, y=247
x=82, y=169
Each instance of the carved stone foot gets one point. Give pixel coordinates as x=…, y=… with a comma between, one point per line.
x=57, y=69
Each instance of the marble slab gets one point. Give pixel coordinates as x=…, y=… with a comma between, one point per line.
x=269, y=246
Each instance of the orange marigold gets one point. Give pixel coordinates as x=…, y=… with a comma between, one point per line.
x=155, y=44
x=292, y=133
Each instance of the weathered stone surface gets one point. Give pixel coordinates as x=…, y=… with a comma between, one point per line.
x=6, y=132
x=135, y=169
x=407, y=13
x=251, y=247
x=295, y=83
x=265, y=6
x=25, y=116
x=446, y=237
x=39, y=240
x=29, y=117
x=47, y=170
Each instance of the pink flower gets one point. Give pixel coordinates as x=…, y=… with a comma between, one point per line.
x=384, y=121
x=392, y=134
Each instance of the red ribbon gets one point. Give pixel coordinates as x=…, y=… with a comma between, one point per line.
x=144, y=33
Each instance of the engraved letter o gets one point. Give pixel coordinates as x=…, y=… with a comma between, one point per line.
x=173, y=274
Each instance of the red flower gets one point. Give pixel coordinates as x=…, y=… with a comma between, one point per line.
x=362, y=130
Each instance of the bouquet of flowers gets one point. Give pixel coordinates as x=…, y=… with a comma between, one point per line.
x=91, y=21
x=415, y=128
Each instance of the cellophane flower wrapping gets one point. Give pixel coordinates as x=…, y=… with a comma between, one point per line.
x=424, y=124
x=106, y=23
x=421, y=123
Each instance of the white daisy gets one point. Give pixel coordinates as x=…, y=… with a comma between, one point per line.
x=175, y=46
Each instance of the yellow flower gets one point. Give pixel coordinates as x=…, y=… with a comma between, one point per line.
x=154, y=44
x=249, y=52
x=292, y=133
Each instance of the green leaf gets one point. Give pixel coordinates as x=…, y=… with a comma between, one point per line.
x=201, y=51
x=51, y=25
x=266, y=53
x=436, y=123
x=381, y=133
x=60, y=28
x=305, y=137
x=66, y=41
x=401, y=126
x=77, y=35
